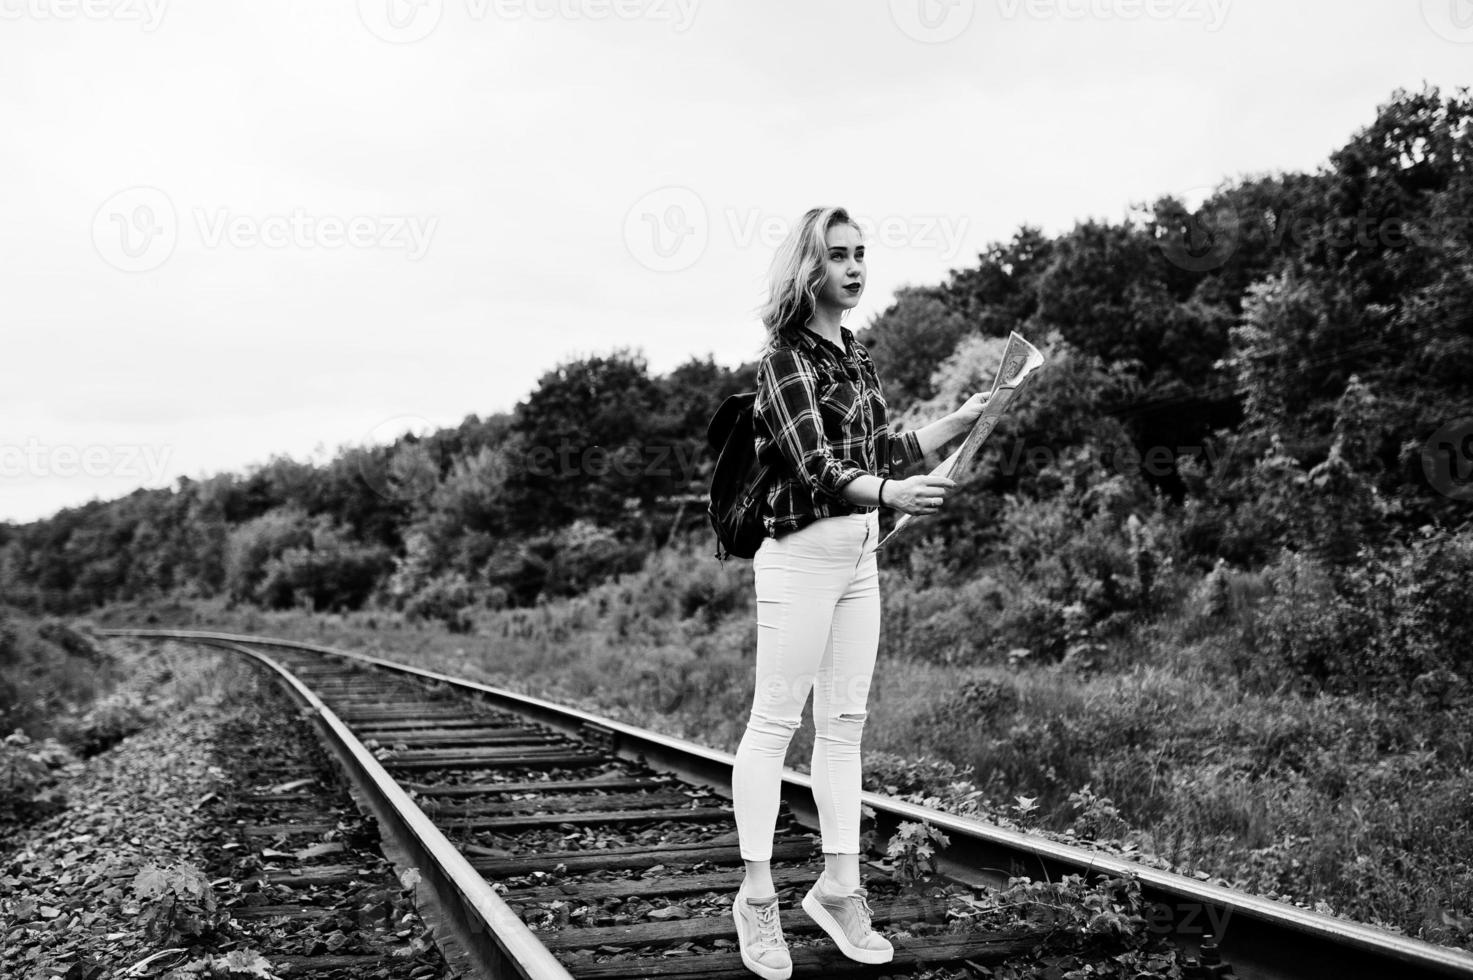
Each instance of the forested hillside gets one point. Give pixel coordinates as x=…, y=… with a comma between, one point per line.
x=1275, y=370
x=1199, y=597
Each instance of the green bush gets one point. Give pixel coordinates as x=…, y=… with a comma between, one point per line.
x=254, y=543
x=285, y=559
x=940, y=623
x=28, y=782
x=445, y=598
x=561, y=563
x=73, y=642
x=106, y=723
x=1383, y=627
x=583, y=554
x=45, y=668
x=330, y=575
x=897, y=775
x=177, y=904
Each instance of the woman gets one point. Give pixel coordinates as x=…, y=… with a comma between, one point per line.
x=820, y=413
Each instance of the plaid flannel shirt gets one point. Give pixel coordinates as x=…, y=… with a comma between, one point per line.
x=820, y=414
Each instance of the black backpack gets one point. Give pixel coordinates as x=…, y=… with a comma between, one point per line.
x=738, y=483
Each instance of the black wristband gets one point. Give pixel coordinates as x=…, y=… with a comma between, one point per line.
x=883, y=480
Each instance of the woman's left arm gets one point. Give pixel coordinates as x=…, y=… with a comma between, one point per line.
x=938, y=434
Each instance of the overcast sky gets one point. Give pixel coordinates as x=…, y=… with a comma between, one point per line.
x=238, y=229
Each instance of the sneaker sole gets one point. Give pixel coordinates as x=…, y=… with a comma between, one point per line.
x=830, y=925
x=766, y=972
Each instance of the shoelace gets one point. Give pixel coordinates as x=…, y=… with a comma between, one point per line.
x=866, y=915
x=769, y=927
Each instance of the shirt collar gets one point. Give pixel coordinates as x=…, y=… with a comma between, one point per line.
x=809, y=340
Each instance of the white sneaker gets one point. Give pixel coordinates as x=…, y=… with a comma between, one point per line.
x=846, y=918
x=760, y=936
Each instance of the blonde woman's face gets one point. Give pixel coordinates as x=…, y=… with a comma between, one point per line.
x=843, y=280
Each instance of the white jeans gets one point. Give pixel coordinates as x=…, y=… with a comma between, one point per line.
x=818, y=628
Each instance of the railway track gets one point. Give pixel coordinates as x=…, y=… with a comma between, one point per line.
x=559, y=844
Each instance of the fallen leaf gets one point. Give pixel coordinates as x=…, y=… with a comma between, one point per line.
x=288, y=787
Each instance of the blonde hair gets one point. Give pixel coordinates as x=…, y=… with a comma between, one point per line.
x=797, y=270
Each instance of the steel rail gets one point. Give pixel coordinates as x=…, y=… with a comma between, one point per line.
x=495, y=938
x=1262, y=939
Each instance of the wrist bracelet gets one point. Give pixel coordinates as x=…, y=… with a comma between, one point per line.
x=883, y=481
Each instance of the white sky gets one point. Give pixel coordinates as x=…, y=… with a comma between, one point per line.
x=237, y=229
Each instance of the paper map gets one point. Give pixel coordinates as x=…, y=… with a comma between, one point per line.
x=1019, y=360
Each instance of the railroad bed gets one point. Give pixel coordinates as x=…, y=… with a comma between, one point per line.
x=561, y=844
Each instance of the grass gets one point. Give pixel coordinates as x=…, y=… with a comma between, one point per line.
x=1162, y=741
x=47, y=671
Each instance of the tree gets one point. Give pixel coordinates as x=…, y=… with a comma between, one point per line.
x=910, y=340
x=587, y=437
